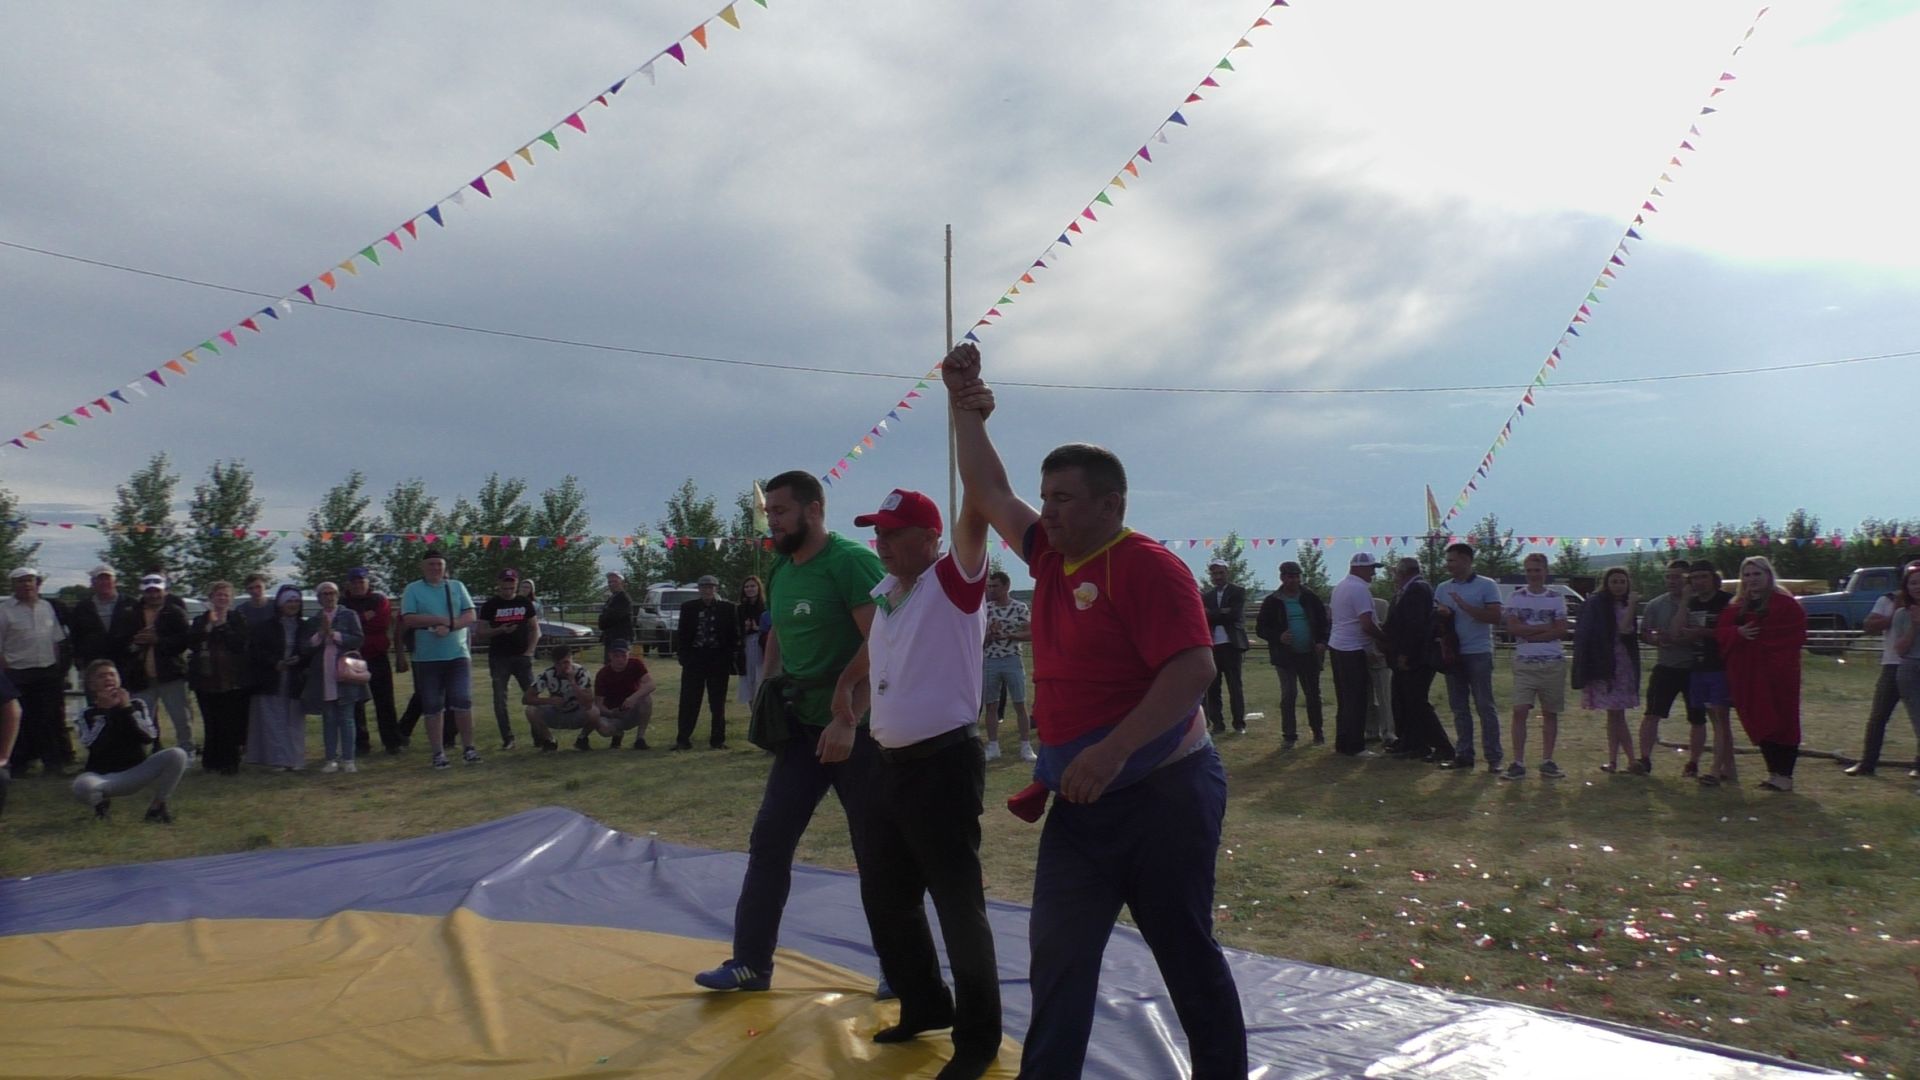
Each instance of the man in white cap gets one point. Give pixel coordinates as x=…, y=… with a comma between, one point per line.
x=1353, y=627
x=924, y=650
x=32, y=633
x=148, y=643
x=1226, y=605
x=90, y=618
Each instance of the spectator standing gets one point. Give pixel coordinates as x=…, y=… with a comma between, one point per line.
x=1537, y=619
x=439, y=610
x=1673, y=664
x=616, y=615
x=1379, y=682
x=1761, y=634
x=923, y=824
x=1473, y=603
x=752, y=605
x=624, y=690
x=256, y=608
x=1606, y=656
x=1121, y=653
x=1887, y=692
x=218, y=674
x=375, y=613
x=510, y=625
x=1295, y=625
x=1009, y=622
x=332, y=632
x=9, y=731
x=1410, y=654
x=33, y=634
x=90, y=618
x=1903, y=629
x=116, y=730
x=704, y=643
x=1353, y=628
x=149, y=642
x=276, y=723
x=1708, y=682
x=1226, y=608
x=819, y=595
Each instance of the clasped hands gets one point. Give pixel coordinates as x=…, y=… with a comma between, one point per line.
x=960, y=371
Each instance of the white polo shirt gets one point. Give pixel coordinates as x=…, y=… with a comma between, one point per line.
x=924, y=654
x=28, y=635
x=1352, y=600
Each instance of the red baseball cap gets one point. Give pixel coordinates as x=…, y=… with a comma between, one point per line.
x=903, y=509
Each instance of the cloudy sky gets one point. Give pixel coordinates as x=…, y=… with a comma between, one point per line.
x=1382, y=194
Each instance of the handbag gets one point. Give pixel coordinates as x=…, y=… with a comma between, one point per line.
x=351, y=668
x=770, y=724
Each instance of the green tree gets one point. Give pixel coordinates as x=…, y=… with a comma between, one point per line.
x=220, y=545
x=1571, y=562
x=691, y=522
x=1648, y=572
x=140, y=533
x=1433, y=558
x=343, y=514
x=747, y=551
x=1313, y=568
x=565, y=561
x=1496, y=553
x=407, y=511
x=497, y=520
x=12, y=551
x=1383, y=584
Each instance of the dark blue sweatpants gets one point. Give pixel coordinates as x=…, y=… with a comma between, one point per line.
x=1150, y=846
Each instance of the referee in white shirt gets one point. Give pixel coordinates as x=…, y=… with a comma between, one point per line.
x=923, y=831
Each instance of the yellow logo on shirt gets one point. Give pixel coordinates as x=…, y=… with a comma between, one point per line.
x=1084, y=594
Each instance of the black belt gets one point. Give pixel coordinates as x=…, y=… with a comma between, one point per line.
x=926, y=748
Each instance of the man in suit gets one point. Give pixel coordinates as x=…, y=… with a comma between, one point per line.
x=1226, y=605
x=1410, y=654
x=704, y=642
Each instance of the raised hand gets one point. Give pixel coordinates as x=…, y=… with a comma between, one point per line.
x=961, y=367
x=977, y=397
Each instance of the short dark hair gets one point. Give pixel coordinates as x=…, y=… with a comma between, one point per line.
x=562, y=652
x=804, y=485
x=1703, y=566
x=1680, y=564
x=1461, y=547
x=1101, y=467
x=1289, y=567
x=1000, y=576
x=261, y=578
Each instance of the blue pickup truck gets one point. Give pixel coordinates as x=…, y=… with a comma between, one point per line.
x=1848, y=609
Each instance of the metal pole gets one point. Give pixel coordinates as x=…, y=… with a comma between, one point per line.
x=953, y=445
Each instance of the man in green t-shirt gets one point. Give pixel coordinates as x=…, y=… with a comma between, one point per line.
x=819, y=594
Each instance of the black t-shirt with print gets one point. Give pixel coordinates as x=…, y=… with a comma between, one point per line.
x=512, y=620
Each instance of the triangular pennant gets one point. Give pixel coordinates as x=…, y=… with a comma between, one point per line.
x=250, y=324
x=434, y=213
x=479, y=184
x=413, y=228
x=576, y=123
x=727, y=16
x=674, y=50
x=394, y=239
x=1176, y=118
x=699, y=35
x=504, y=169
x=227, y=336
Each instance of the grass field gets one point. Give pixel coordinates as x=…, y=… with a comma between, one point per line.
x=1789, y=924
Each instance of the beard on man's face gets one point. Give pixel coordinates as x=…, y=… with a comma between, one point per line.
x=793, y=540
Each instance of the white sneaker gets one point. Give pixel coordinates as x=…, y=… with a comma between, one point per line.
x=1026, y=752
x=993, y=751
x=349, y=767
x=331, y=766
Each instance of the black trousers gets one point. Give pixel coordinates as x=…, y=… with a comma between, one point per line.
x=43, y=720
x=1299, y=677
x=1780, y=757
x=708, y=679
x=923, y=836
x=1350, y=696
x=1886, y=695
x=380, y=666
x=223, y=720
x=1414, y=716
x=1226, y=664
x=409, y=719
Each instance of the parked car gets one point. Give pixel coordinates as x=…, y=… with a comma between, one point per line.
x=1848, y=608
x=662, y=602
x=575, y=635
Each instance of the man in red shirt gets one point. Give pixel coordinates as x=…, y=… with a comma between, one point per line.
x=1121, y=656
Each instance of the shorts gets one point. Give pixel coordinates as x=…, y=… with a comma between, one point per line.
x=443, y=685
x=1667, y=683
x=627, y=719
x=1542, y=679
x=1003, y=671
x=1709, y=690
x=553, y=716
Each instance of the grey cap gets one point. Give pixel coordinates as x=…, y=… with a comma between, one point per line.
x=708, y=579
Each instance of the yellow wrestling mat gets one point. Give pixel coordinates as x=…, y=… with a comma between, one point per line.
x=365, y=994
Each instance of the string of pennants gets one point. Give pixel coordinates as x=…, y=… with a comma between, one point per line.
x=1609, y=272
x=1054, y=252
x=1677, y=541
x=386, y=245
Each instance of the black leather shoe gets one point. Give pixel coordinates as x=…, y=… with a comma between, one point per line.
x=1858, y=768
x=907, y=1030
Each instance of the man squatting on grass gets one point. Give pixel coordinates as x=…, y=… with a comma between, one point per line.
x=1121, y=657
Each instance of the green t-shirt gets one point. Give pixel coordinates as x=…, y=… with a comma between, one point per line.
x=812, y=607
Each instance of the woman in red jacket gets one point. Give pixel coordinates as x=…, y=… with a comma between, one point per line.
x=1761, y=634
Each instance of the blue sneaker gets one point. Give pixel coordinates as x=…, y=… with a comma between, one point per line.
x=733, y=975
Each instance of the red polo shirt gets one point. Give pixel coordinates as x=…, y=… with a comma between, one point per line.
x=1103, y=628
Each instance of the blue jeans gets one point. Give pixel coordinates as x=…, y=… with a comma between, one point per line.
x=1150, y=846
x=795, y=786
x=1475, y=673
x=336, y=729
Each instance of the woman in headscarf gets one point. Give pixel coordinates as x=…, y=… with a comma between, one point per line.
x=332, y=632
x=1761, y=634
x=219, y=675
x=276, y=724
